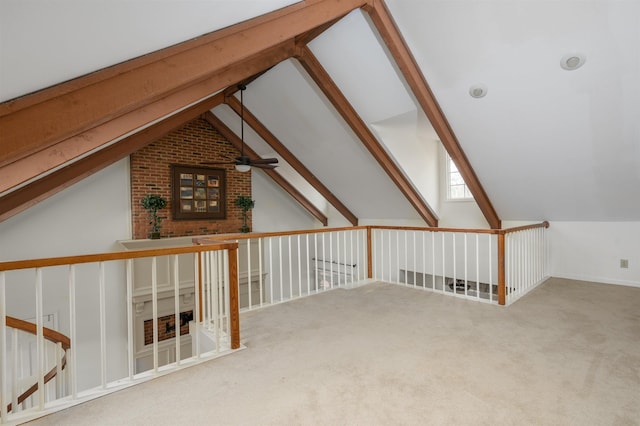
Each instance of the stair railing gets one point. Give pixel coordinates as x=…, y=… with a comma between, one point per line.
x=62, y=344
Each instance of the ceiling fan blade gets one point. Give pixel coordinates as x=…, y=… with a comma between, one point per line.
x=213, y=163
x=264, y=166
x=264, y=161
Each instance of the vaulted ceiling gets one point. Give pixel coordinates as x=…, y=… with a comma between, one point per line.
x=544, y=143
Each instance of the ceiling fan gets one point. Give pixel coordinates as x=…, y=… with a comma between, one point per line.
x=244, y=163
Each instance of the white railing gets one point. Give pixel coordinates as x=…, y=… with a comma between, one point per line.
x=526, y=260
x=494, y=266
x=109, y=323
x=37, y=362
x=279, y=267
x=134, y=315
x=459, y=263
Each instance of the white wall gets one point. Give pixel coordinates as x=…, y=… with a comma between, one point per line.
x=87, y=217
x=407, y=138
x=592, y=251
x=275, y=210
x=461, y=214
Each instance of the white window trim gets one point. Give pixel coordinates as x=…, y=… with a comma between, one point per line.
x=448, y=162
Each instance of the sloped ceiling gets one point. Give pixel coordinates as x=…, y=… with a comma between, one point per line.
x=45, y=42
x=291, y=107
x=545, y=143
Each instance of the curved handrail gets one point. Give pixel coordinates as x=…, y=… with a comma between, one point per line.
x=49, y=334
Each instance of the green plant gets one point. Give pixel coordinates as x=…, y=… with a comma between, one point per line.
x=246, y=204
x=152, y=203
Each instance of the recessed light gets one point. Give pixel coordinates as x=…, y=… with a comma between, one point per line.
x=478, y=90
x=572, y=61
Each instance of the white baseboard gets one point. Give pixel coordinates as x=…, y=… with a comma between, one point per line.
x=360, y=283
x=600, y=280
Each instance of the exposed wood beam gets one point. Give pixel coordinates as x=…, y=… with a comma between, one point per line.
x=282, y=150
x=84, y=109
x=63, y=152
x=41, y=189
x=317, y=72
x=229, y=91
x=277, y=177
x=309, y=36
x=407, y=64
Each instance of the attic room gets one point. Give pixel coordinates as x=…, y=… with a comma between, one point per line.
x=374, y=110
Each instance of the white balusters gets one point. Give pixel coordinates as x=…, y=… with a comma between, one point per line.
x=525, y=259
x=103, y=326
x=176, y=306
x=490, y=250
x=15, y=392
x=223, y=287
x=40, y=369
x=4, y=392
x=450, y=258
x=308, y=268
x=260, y=274
x=290, y=268
x=249, y=290
x=154, y=307
x=197, y=307
x=73, y=321
x=130, y=327
x=299, y=267
x=478, y=267
x=280, y=269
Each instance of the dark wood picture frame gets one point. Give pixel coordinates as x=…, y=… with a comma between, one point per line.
x=198, y=193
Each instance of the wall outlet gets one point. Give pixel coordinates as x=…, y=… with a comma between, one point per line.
x=624, y=263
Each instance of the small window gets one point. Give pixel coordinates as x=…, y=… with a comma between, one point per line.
x=198, y=193
x=456, y=187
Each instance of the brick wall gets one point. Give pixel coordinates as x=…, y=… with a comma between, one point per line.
x=192, y=144
x=167, y=327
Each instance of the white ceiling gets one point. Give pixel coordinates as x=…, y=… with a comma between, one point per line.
x=288, y=103
x=546, y=143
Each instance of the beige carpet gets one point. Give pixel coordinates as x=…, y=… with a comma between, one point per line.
x=566, y=354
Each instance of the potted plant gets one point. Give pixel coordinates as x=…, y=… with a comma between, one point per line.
x=246, y=203
x=152, y=203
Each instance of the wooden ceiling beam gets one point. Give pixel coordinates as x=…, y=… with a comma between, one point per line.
x=41, y=189
x=84, y=109
x=317, y=72
x=283, y=152
x=274, y=175
x=229, y=91
x=61, y=153
x=407, y=64
x=309, y=36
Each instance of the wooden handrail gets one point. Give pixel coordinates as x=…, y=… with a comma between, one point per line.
x=251, y=235
x=49, y=334
x=212, y=242
x=544, y=224
x=103, y=257
x=226, y=237
x=438, y=229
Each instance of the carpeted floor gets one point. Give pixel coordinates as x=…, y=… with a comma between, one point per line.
x=566, y=354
